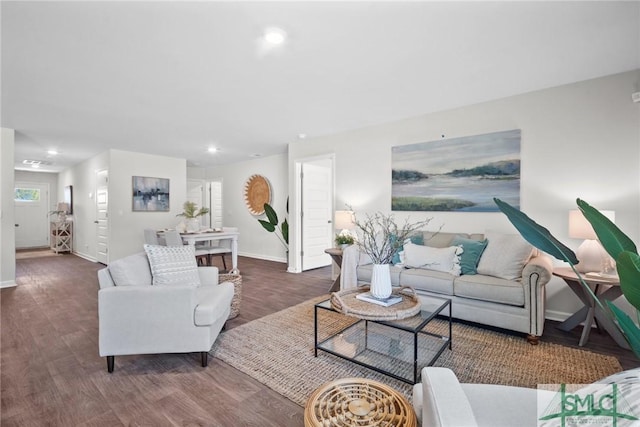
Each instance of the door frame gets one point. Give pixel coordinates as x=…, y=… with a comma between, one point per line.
x=45, y=219
x=295, y=257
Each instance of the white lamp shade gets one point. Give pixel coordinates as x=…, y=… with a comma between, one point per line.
x=580, y=228
x=344, y=220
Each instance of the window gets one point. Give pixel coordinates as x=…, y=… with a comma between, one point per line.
x=27, y=195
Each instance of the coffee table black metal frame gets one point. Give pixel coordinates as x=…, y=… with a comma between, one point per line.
x=413, y=325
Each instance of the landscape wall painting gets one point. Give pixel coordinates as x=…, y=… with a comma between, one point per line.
x=458, y=174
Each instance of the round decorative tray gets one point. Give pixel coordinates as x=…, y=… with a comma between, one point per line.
x=346, y=303
x=358, y=402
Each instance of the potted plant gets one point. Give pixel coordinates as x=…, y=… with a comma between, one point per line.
x=191, y=212
x=617, y=244
x=271, y=225
x=380, y=237
x=344, y=239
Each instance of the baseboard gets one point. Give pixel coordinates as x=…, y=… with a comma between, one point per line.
x=263, y=257
x=85, y=256
x=558, y=316
x=8, y=284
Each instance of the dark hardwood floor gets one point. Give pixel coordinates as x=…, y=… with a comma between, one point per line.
x=51, y=373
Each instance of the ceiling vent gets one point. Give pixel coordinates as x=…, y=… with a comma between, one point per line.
x=36, y=162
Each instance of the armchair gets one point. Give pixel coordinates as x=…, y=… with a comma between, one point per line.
x=441, y=401
x=136, y=317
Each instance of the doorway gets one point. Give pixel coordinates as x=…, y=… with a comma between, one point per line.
x=316, y=212
x=102, y=216
x=31, y=202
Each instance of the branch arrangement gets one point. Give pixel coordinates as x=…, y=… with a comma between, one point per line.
x=381, y=237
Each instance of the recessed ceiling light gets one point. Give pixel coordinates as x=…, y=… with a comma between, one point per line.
x=52, y=152
x=212, y=150
x=275, y=35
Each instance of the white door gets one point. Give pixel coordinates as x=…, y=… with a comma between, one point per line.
x=102, y=216
x=195, y=193
x=31, y=214
x=317, y=199
x=215, y=203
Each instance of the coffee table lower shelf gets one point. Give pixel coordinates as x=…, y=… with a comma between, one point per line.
x=397, y=348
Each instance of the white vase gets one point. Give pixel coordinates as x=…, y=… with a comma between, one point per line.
x=380, y=281
x=193, y=225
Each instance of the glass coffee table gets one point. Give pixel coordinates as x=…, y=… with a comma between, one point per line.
x=397, y=348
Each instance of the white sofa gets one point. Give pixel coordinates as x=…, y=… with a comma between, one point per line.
x=136, y=317
x=516, y=303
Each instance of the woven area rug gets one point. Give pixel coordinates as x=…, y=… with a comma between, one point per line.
x=277, y=350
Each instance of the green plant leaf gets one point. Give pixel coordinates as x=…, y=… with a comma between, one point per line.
x=536, y=234
x=267, y=225
x=628, y=266
x=271, y=214
x=612, y=238
x=629, y=328
x=285, y=231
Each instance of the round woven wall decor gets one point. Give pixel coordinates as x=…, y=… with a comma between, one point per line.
x=257, y=192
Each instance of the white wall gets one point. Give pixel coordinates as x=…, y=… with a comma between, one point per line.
x=579, y=140
x=125, y=226
x=254, y=241
x=7, y=213
x=83, y=179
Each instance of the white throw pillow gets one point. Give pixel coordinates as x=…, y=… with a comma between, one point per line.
x=132, y=270
x=505, y=255
x=173, y=265
x=429, y=258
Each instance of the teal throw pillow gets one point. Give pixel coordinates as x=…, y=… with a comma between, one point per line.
x=416, y=239
x=472, y=251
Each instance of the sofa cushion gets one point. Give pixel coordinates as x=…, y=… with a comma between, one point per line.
x=427, y=280
x=440, y=259
x=472, y=251
x=416, y=238
x=489, y=288
x=132, y=270
x=173, y=265
x=440, y=239
x=504, y=256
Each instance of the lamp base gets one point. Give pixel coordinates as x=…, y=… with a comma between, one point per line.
x=593, y=258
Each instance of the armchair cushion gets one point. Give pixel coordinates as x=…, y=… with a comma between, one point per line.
x=173, y=265
x=131, y=271
x=212, y=300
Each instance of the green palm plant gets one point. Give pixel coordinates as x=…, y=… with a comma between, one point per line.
x=618, y=245
x=271, y=224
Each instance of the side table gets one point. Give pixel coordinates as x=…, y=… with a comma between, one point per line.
x=336, y=256
x=358, y=402
x=591, y=310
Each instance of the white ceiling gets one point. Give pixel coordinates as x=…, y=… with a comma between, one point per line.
x=173, y=78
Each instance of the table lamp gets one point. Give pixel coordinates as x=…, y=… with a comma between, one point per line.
x=63, y=208
x=344, y=220
x=592, y=256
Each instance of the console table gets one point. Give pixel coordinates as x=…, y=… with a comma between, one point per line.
x=61, y=236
